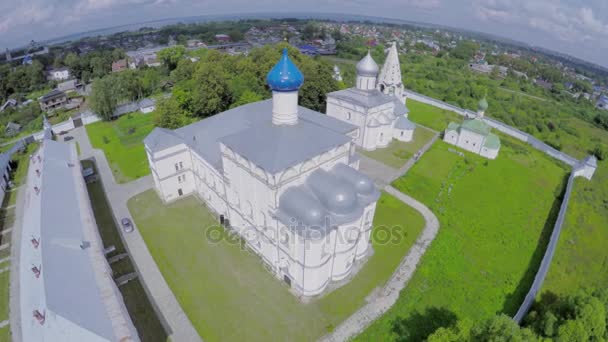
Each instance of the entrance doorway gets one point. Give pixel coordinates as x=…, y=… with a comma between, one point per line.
x=180, y=192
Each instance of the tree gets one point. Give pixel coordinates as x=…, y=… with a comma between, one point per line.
x=171, y=56
x=210, y=94
x=247, y=97
x=465, y=50
x=170, y=114
x=104, y=97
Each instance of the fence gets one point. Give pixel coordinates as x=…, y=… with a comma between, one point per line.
x=499, y=126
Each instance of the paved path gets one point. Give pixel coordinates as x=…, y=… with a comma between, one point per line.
x=387, y=297
x=174, y=319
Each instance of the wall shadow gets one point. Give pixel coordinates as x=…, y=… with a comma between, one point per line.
x=514, y=300
x=418, y=326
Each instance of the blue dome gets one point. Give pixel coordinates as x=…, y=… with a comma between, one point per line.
x=285, y=76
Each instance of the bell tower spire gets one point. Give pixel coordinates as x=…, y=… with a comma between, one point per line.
x=390, y=82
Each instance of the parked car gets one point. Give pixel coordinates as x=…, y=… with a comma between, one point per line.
x=68, y=138
x=127, y=225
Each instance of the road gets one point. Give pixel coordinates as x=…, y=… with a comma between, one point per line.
x=177, y=324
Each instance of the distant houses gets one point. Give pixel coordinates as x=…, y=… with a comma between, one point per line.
x=59, y=74
x=119, y=65
x=12, y=129
x=602, y=102
x=53, y=100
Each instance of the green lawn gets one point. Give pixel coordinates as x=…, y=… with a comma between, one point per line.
x=139, y=307
x=495, y=216
x=430, y=116
x=121, y=141
x=227, y=292
x=5, y=334
x=581, y=257
x=398, y=152
x=4, y=288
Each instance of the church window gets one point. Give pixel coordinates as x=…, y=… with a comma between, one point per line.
x=181, y=166
x=401, y=133
x=348, y=116
x=381, y=137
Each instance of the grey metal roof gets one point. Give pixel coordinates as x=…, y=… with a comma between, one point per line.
x=314, y=133
x=126, y=108
x=363, y=98
x=69, y=279
x=400, y=107
x=162, y=138
x=326, y=199
x=404, y=123
x=55, y=93
x=277, y=147
x=147, y=103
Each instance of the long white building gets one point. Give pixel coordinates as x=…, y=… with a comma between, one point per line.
x=377, y=108
x=66, y=289
x=283, y=176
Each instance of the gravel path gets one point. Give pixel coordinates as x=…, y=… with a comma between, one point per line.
x=387, y=297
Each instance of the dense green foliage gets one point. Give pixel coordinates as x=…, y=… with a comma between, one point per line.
x=244, y=301
x=580, y=317
x=492, y=235
x=219, y=81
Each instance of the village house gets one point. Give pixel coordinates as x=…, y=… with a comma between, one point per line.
x=53, y=100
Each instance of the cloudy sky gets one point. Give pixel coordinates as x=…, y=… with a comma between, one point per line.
x=577, y=27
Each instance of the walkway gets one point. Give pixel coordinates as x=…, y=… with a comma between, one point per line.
x=176, y=322
x=14, y=294
x=362, y=318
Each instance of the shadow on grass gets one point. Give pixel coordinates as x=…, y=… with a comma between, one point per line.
x=514, y=300
x=418, y=326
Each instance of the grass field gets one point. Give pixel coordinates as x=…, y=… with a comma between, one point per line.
x=5, y=334
x=121, y=141
x=581, y=257
x=397, y=153
x=495, y=219
x=431, y=117
x=139, y=307
x=4, y=288
x=227, y=292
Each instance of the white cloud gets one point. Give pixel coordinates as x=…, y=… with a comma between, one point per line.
x=563, y=21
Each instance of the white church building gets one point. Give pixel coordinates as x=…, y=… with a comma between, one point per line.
x=474, y=134
x=282, y=176
x=375, y=105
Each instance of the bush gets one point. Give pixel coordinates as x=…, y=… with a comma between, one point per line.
x=600, y=152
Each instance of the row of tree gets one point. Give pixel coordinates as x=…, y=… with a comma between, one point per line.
x=580, y=317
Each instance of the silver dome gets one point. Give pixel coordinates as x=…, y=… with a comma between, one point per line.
x=363, y=184
x=336, y=194
x=303, y=207
x=367, y=66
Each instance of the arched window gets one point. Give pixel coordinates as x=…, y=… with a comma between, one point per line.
x=348, y=116
x=381, y=137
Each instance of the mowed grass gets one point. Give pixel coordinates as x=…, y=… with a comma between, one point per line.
x=5, y=334
x=122, y=142
x=495, y=216
x=430, y=116
x=397, y=153
x=139, y=307
x=581, y=257
x=4, y=289
x=227, y=292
